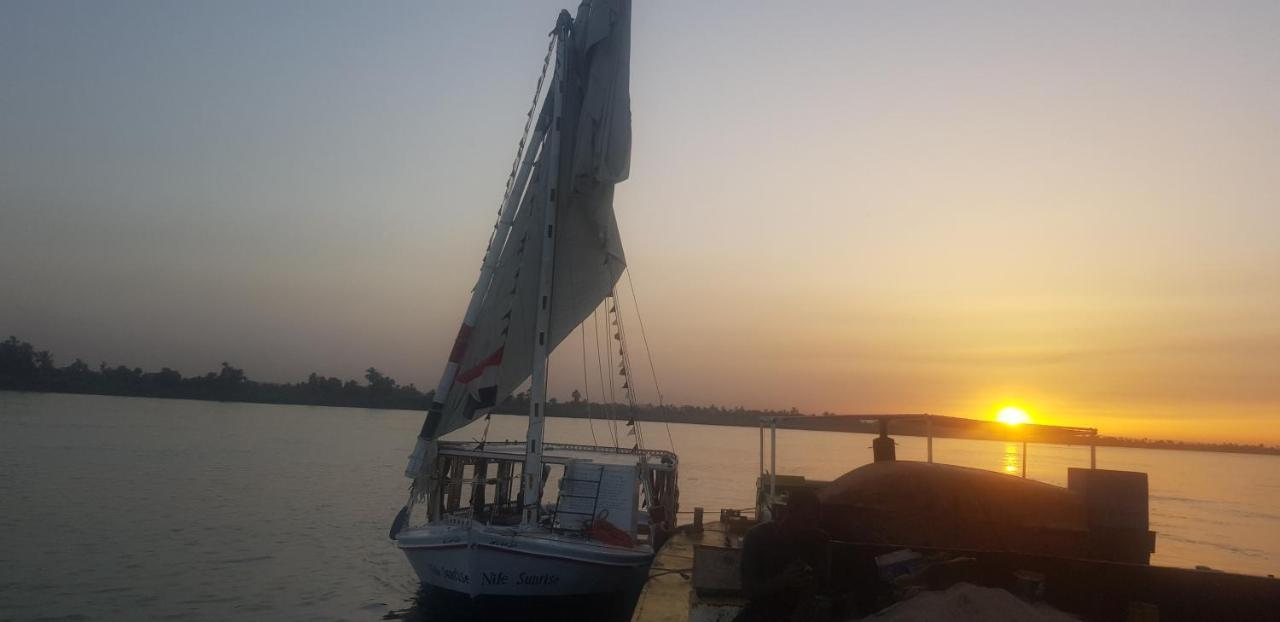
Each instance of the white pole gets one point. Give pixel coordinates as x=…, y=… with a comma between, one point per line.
x=426, y=437
x=531, y=478
x=773, y=459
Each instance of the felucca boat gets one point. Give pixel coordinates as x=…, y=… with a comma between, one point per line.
x=479, y=519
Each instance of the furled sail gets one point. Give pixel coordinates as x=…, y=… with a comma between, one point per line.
x=495, y=355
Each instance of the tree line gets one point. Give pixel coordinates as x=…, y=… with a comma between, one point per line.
x=23, y=368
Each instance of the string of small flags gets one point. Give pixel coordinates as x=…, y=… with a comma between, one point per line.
x=624, y=371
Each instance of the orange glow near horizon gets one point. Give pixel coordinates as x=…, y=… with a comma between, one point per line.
x=1012, y=415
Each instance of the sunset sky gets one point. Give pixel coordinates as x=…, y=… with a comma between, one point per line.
x=1073, y=208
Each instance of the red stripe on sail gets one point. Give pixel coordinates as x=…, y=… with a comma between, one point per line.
x=460, y=344
x=474, y=372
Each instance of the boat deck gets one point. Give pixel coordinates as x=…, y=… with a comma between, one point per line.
x=560, y=453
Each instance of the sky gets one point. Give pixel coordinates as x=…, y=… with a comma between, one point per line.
x=1073, y=208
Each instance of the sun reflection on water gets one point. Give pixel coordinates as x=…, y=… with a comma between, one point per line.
x=1012, y=459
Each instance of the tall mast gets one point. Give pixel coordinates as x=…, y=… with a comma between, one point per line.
x=531, y=477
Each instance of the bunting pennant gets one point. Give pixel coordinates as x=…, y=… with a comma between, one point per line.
x=617, y=336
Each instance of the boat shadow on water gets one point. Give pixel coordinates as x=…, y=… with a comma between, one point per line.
x=432, y=604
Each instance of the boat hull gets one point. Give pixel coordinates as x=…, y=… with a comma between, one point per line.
x=481, y=561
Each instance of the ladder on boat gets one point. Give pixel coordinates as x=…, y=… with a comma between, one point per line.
x=574, y=493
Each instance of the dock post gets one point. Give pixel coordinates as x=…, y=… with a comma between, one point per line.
x=762, y=447
x=773, y=459
x=928, y=427
x=1024, y=459
x=1093, y=456
x=697, y=520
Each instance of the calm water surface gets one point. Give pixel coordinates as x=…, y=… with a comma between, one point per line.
x=124, y=508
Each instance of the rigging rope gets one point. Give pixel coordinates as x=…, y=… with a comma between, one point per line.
x=520, y=149
x=515, y=168
x=586, y=386
x=582, y=328
x=625, y=371
x=528, y=123
x=608, y=409
x=484, y=436
x=662, y=405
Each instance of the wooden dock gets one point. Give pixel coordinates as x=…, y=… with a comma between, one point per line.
x=1092, y=589
x=669, y=595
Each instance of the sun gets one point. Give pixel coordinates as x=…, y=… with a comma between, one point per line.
x=1012, y=415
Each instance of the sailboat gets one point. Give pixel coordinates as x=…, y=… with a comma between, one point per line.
x=480, y=519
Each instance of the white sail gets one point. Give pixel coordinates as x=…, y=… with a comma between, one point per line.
x=589, y=257
x=495, y=355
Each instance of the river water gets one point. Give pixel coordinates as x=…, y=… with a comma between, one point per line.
x=130, y=508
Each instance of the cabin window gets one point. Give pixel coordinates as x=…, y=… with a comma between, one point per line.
x=484, y=489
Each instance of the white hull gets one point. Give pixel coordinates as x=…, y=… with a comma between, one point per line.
x=511, y=561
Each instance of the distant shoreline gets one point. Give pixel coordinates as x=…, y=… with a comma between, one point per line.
x=817, y=423
x=562, y=412
x=23, y=368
